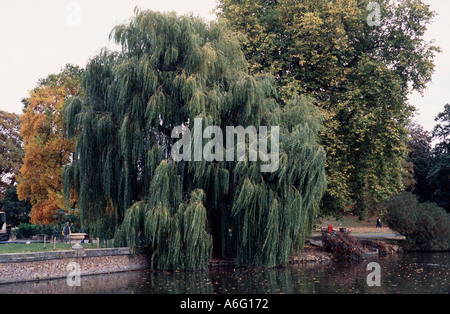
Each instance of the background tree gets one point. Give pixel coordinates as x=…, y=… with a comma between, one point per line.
x=360, y=76
x=419, y=154
x=439, y=174
x=17, y=211
x=171, y=70
x=46, y=145
x=11, y=150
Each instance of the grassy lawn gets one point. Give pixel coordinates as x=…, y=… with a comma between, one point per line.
x=39, y=247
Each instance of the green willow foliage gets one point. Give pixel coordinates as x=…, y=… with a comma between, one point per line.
x=171, y=70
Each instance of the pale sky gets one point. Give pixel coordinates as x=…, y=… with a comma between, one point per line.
x=38, y=37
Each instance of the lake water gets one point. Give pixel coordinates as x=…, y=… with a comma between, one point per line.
x=424, y=273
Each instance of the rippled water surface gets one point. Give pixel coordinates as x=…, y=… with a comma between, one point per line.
x=426, y=273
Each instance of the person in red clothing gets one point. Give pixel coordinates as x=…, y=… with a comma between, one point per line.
x=330, y=229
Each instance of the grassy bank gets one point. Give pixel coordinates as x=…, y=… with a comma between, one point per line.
x=39, y=247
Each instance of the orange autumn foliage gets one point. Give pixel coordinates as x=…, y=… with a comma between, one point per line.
x=46, y=146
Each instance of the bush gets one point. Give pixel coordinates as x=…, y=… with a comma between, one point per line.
x=26, y=231
x=50, y=230
x=426, y=226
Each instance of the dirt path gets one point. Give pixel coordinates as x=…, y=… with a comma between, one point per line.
x=364, y=228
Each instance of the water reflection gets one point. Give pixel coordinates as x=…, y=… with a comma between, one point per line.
x=410, y=273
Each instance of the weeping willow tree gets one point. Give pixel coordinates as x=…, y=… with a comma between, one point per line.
x=171, y=70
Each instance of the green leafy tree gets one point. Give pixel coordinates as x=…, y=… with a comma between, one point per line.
x=359, y=73
x=16, y=211
x=171, y=70
x=439, y=174
x=419, y=154
x=11, y=150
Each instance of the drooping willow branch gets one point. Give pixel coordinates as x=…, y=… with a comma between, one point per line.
x=173, y=69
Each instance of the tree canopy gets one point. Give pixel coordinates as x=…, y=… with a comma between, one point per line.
x=171, y=70
x=420, y=155
x=439, y=173
x=46, y=145
x=359, y=73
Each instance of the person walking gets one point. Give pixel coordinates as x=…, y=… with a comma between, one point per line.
x=379, y=223
x=66, y=232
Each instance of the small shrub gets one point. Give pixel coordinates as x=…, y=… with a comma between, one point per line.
x=425, y=226
x=50, y=230
x=26, y=231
